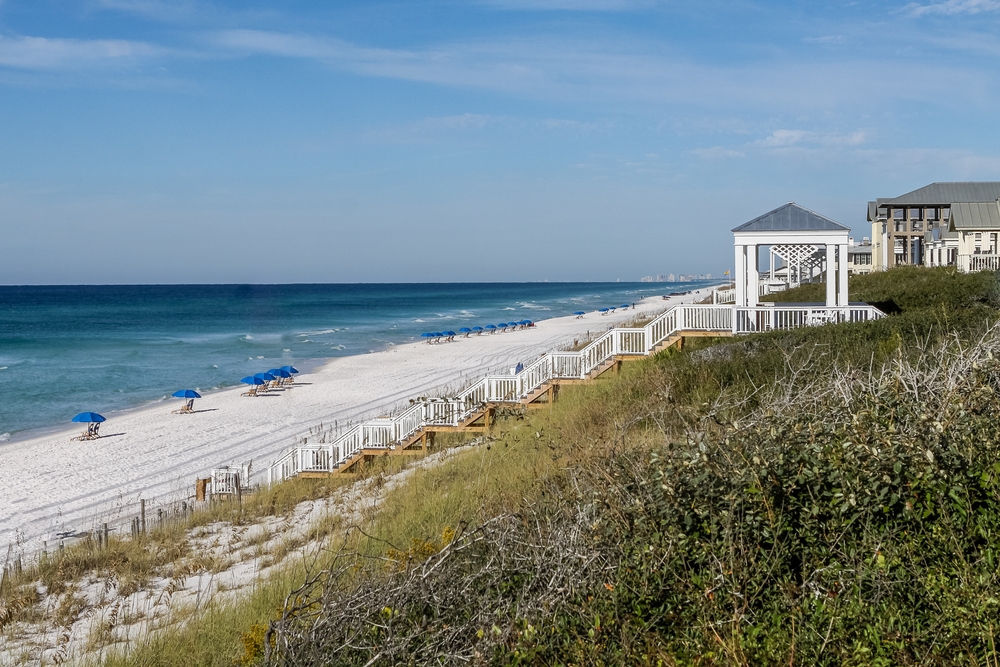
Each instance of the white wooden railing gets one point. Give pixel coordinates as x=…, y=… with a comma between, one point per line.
x=769, y=318
x=980, y=262
x=389, y=432
x=724, y=295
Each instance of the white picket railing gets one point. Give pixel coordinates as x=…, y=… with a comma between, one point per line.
x=724, y=295
x=388, y=432
x=979, y=262
x=768, y=318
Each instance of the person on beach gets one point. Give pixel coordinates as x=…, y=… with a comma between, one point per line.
x=518, y=368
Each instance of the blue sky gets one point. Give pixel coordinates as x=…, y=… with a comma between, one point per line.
x=147, y=141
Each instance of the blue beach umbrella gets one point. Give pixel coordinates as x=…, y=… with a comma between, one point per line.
x=624, y=305
x=267, y=377
x=291, y=369
x=279, y=373
x=88, y=417
x=186, y=393
x=450, y=333
x=438, y=334
x=491, y=326
x=603, y=310
x=465, y=330
x=427, y=335
x=579, y=312
x=477, y=329
x=512, y=324
x=252, y=379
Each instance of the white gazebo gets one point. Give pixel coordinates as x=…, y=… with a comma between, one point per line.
x=804, y=239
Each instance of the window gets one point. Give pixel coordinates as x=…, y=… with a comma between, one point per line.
x=946, y=214
x=993, y=243
x=932, y=213
x=916, y=213
x=979, y=242
x=898, y=214
x=900, y=225
x=916, y=226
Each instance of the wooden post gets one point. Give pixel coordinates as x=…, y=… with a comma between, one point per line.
x=142, y=515
x=239, y=490
x=105, y=536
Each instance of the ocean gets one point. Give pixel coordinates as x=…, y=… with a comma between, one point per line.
x=68, y=349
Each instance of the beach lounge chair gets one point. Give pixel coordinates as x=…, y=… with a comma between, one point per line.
x=251, y=392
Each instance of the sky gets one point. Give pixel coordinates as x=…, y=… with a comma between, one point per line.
x=190, y=141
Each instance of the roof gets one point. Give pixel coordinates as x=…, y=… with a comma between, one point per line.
x=859, y=250
x=947, y=193
x=872, y=210
x=975, y=215
x=791, y=218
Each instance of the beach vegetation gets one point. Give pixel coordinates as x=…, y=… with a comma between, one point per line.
x=826, y=495
x=821, y=496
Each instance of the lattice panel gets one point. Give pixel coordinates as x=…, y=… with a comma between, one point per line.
x=794, y=253
x=804, y=256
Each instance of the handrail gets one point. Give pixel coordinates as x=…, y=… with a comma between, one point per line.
x=390, y=432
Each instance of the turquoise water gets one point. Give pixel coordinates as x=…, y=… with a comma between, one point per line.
x=66, y=349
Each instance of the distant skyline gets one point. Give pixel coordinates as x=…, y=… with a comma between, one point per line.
x=156, y=141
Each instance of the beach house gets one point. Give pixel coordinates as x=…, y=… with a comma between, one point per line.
x=859, y=257
x=916, y=228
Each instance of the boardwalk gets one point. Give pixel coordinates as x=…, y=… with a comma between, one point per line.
x=472, y=408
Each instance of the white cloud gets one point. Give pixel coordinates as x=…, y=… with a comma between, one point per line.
x=717, y=153
x=827, y=40
x=42, y=53
x=572, y=5
x=952, y=7
x=606, y=71
x=789, y=138
x=153, y=8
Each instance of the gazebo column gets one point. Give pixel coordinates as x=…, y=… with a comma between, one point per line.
x=831, y=277
x=842, y=270
x=741, y=275
x=770, y=256
x=753, y=275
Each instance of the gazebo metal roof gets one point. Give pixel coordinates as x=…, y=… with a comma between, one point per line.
x=791, y=218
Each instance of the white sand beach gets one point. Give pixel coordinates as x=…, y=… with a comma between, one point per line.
x=52, y=484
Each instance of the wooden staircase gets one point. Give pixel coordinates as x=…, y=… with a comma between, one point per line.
x=479, y=421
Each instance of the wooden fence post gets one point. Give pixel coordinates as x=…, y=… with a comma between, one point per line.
x=142, y=515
